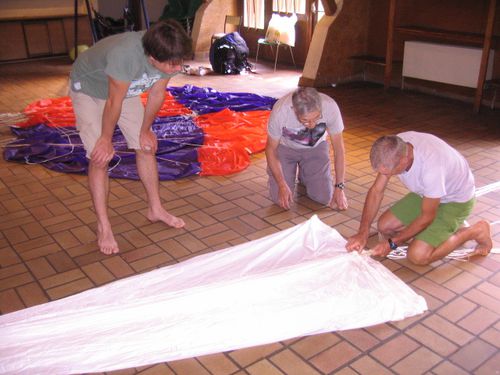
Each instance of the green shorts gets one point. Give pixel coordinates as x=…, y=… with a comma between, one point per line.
x=449, y=217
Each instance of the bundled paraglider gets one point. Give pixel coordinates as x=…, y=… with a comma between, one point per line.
x=199, y=130
x=229, y=55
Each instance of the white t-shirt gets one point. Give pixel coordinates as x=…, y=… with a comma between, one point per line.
x=284, y=125
x=438, y=170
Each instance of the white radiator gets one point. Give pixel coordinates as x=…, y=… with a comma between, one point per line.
x=454, y=65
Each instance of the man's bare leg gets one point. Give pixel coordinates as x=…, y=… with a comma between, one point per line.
x=99, y=189
x=421, y=253
x=148, y=172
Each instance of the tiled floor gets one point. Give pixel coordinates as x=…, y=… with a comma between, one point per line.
x=47, y=247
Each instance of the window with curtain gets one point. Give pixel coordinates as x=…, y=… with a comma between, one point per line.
x=289, y=6
x=253, y=14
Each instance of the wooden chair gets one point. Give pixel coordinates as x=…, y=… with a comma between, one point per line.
x=234, y=21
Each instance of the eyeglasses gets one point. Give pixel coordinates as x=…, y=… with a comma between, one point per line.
x=309, y=119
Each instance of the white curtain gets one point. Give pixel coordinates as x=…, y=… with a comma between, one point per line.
x=253, y=14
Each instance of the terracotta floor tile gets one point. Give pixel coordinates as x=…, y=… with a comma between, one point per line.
x=479, y=320
x=247, y=356
x=483, y=299
x=188, y=366
x=367, y=365
x=359, y=338
x=160, y=369
x=16, y=280
x=263, y=367
x=32, y=294
x=191, y=243
x=432, y=340
x=13, y=270
x=61, y=261
x=117, y=267
x=382, y=331
x=10, y=301
x=492, y=335
x=308, y=347
x=448, y=330
x=70, y=288
x=394, y=350
x=290, y=363
x=218, y=238
x=151, y=262
x=457, y=309
x=418, y=362
x=442, y=274
x=98, y=273
x=462, y=282
x=448, y=368
x=8, y=256
x=433, y=289
x=335, y=357
x=473, y=355
x=218, y=364
x=491, y=366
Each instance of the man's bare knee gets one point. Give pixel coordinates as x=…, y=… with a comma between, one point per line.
x=385, y=229
x=419, y=253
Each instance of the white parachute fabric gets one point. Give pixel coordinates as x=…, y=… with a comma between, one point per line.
x=297, y=282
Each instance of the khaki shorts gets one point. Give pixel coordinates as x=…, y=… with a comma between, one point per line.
x=88, y=113
x=449, y=217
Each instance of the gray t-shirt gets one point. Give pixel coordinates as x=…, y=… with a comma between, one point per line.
x=438, y=170
x=284, y=126
x=119, y=56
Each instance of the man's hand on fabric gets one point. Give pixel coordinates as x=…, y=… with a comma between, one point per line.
x=356, y=242
x=103, y=152
x=382, y=249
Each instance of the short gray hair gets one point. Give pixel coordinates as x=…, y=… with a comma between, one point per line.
x=387, y=151
x=306, y=100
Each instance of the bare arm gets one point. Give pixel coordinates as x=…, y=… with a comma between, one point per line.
x=370, y=210
x=285, y=194
x=338, y=199
x=156, y=98
x=103, y=150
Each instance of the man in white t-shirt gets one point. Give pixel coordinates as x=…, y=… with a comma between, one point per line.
x=296, y=142
x=441, y=197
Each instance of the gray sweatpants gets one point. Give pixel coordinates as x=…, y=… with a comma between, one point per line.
x=314, y=169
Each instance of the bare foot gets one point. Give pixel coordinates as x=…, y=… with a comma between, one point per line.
x=106, y=242
x=483, y=238
x=163, y=215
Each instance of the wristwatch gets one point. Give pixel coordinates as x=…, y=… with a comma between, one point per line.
x=340, y=185
x=392, y=244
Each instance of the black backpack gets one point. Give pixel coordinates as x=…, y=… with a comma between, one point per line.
x=228, y=55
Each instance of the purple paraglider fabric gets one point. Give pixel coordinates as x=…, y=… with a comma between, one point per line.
x=206, y=100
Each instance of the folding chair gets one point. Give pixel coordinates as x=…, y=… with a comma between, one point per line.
x=280, y=32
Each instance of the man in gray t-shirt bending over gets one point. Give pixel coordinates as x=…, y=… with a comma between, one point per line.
x=296, y=142
x=106, y=83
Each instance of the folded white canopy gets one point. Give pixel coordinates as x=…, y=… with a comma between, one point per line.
x=297, y=282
